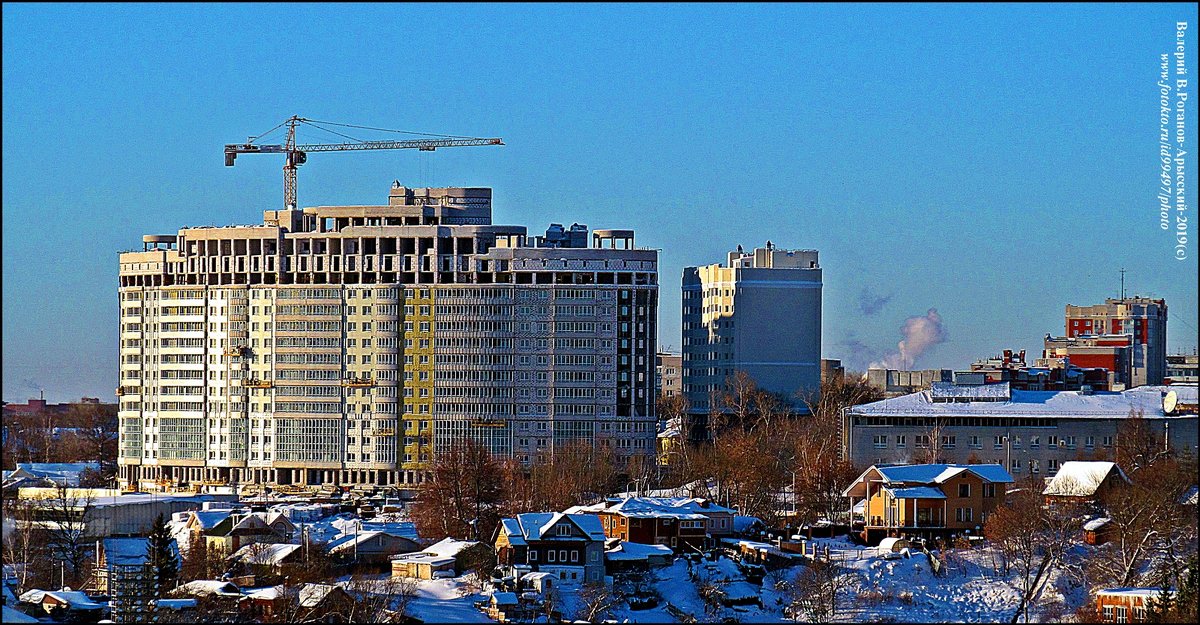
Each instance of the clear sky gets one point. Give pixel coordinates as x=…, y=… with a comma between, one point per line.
x=992, y=162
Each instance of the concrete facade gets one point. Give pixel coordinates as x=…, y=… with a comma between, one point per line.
x=669, y=374
x=760, y=313
x=350, y=344
x=1143, y=318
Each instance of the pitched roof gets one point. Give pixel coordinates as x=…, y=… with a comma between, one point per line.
x=1077, y=478
x=939, y=473
x=262, y=553
x=682, y=508
x=76, y=599
x=208, y=519
x=206, y=587
x=534, y=525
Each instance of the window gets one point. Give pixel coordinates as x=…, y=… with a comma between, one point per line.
x=964, y=490
x=1035, y=442
x=1108, y=441
x=1108, y=613
x=563, y=529
x=989, y=490
x=949, y=442
x=999, y=442
x=1089, y=441
x=562, y=555
x=901, y=441
x=1034, y=466
x=975, y=442
x=1122, y=614
x=550, y=555
x=1016, y=465
x=532, y=555
x=922, y=441
x=881, y=441
x=1051, y=466
x=964, y=515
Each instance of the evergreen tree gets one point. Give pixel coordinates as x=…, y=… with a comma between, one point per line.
x=161, y=556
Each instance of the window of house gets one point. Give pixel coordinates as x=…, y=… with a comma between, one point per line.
x=901, y=441
x=564, y=530
x=964, y=490
x=562, y=555
x=532, y=555
x=1108, y=441
x=1122, y=614
x=989, y=490
x=1108, y=613
x=881, y=441
x=550, y=555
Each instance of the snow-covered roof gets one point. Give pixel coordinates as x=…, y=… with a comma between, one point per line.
x=1134, y=592
x=681, y=508
x=636, y=551
x=1077, y=478
x=261, y=553
x=916, y=492
x=269, y=593
x=206, y=587
x=448, y=547
x=1096, y=524
x=12, y=615
x=312, y=595
x=76, y=599
x=972, y=391
x=1189, y=496
x=33, y=595
x=505, y=598
x=131, y=550
x=208, y=519
x=535, y=525
x=909, y=475
x=176, y=604
x=1033, y=404
x=61, y=473
x=744, y=523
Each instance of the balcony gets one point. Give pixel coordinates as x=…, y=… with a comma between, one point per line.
x=256, y=383
x=358, y=382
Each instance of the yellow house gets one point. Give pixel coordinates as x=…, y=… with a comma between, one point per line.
x=926, y=500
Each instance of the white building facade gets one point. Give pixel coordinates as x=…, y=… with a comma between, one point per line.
x=350, y=344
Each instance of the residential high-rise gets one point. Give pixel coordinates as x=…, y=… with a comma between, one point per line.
x=351, y=344
x=1143, y=318
x=670, y=374
x=760, y=314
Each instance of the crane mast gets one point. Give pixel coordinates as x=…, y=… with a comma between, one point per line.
x=297, y=154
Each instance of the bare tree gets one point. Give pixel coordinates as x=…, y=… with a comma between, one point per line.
x=1032, y=538
x=464, y=495
x=813, y=594
x=596, y=602
x=64, y=519
x=22, y=548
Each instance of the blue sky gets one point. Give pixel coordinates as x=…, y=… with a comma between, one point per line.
x=992, y=162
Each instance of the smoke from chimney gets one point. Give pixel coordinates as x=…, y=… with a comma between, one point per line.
x=920, y=333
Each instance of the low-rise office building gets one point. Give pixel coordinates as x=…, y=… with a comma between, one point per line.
x=1030, y=432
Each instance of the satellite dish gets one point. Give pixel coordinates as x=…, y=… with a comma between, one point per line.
x=1170, y=401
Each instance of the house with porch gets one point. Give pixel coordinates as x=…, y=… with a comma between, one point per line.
x=926, y=500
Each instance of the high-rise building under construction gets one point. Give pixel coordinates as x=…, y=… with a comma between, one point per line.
x=352, y=344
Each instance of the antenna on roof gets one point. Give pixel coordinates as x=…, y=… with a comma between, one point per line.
x=1122, y=283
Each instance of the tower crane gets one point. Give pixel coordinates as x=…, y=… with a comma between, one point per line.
x=297, y=154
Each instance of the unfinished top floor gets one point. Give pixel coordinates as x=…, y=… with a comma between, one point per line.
x=771, y=257
x=422, y=236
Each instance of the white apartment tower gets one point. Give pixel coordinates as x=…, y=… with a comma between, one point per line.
x=351, y=344
x=761, y=314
